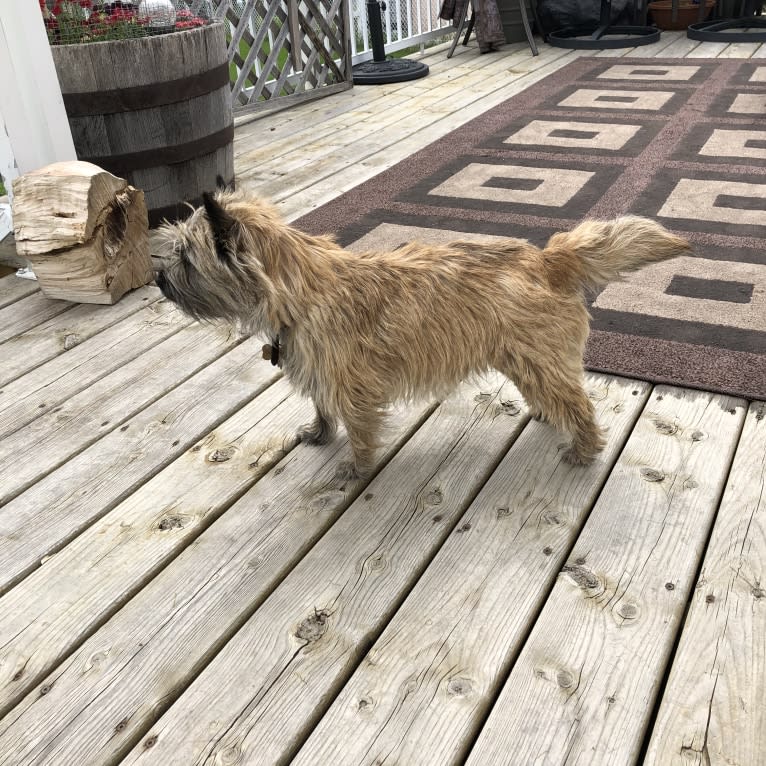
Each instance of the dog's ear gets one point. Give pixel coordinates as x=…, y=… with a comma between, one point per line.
x=221, y=184
x=223, y=226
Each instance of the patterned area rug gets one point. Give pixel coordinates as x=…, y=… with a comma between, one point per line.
x=678, y=140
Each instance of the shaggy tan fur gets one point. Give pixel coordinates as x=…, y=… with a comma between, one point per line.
x=358, y=332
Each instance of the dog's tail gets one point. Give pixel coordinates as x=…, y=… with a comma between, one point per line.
x=598, y=252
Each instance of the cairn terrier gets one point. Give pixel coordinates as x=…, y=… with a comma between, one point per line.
x=356, y=332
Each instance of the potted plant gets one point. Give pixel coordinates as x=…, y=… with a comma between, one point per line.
x=146, y=90
x=687, y=12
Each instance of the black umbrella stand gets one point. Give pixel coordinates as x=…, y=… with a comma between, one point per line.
x=381, y=70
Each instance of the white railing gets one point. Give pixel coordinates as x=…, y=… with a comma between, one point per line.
x=406, y=24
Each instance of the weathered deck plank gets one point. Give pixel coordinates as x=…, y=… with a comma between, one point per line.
x=425, y=687
x=139, y=661
x=45, y=443
x=584, y=686
x=64, y=332
x=158, y=608
x=99, y=570
x=28, y=312
x=43, y=519
x=311, y=630
x=12, y=289
x=712, y=710
x=44, y=388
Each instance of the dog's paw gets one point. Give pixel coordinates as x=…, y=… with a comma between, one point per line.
x=572, y=456
x=314, y=434
x=349, y=471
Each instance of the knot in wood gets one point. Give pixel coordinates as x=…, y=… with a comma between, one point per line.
x=465, y=527
x=650, y=474
x=582, y=576
x=690, y=484
x=665, y=428
x=710, y=598
x=759, y=592
x=365, y=704
x=150, y=742
x=510, y=408
x=121, y=726
x=551, y=518
x=698, y=436
x=170, y=522
x=230, y=755
x=618, y=408
x=502, y=512
x=313, y=627
x=627, y=611
x=221, y=455
x=327, y=500
x=71, y=340
x=565, y=679
x=435, y=497
x=760, y=412
x=459, y=687
x=377, y=562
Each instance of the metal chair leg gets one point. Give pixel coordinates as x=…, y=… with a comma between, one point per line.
x=470, y=28
x=527, y=29
x=458, y=32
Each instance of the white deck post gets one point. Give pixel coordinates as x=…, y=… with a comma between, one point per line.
x=34, y=130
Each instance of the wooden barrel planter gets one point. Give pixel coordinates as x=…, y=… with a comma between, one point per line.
x=154, y=110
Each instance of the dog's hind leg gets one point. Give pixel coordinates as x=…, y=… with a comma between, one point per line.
x=363, y=429
x=320, y=430
x=561, y=401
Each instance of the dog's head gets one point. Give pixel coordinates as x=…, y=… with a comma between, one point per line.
x=207, y=264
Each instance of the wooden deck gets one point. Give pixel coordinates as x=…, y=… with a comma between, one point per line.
x=181, y=583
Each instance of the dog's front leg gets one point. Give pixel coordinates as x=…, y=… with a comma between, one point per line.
x=320, y=430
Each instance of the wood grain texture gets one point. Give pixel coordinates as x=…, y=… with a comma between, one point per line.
x=712, y=710
x=45, y=443
x=64, y=332
x=424, y=688
x=584, y=685
x=29, y=312
x=13, y=288
x=143, y=62
x=41, y=390
x=349, y=148
x=61, y=505
x=136, y=664
x=58, y=206
x=304, y=642
x=76, y=589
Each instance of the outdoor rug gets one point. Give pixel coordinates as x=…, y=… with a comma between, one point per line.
x=681, y=141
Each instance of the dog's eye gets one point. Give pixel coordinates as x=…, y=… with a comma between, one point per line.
x=183, y=255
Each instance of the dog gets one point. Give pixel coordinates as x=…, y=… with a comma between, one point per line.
x=356, y=332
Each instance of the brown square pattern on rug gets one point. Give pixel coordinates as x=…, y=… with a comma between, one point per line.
x=681, y=141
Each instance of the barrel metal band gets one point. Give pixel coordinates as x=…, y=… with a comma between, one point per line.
x=120, y=164
x=146, y=96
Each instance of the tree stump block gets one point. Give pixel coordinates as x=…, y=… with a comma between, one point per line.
x=84, y=231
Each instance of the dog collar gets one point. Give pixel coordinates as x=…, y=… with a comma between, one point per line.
x=271, y=352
